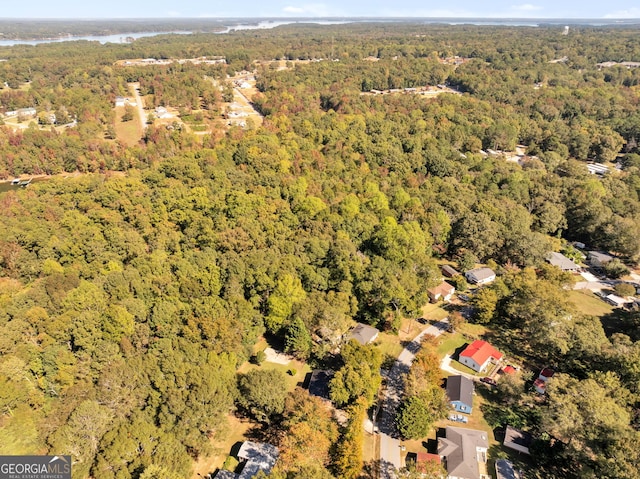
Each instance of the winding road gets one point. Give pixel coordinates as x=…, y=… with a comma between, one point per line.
x=390, y=453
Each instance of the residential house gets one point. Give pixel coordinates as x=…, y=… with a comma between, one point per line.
x=460, y=393
x=254, y=457
x=319, y=383
x=364, y=334
x=448, y=271
x=597, y=169
x=540, y=384
x=517, y=440
x=598, y=259
x=464, y=452
x=480, y=275
x=478, y=355
x=444, y=291
x=505, y=470
x=120, y=101
x=562, y=262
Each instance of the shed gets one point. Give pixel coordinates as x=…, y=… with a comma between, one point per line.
x=449, y=271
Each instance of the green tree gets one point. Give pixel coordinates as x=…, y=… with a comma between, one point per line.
x=262, y=393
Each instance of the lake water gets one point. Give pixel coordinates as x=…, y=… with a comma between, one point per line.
x=116, y=38
x=261, y=24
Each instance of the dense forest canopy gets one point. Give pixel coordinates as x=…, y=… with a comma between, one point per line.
x=130, y=295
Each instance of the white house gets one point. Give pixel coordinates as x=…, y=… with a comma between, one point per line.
x=480, y=275
x=478, y=355
x=444, y=291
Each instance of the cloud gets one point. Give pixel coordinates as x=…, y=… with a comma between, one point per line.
x=633, y=12
x=527, y=7
x=310, y=10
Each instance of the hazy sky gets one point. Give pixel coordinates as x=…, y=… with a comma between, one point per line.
x=293, y=8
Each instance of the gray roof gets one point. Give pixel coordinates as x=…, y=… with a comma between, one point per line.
x=319, y=383
x=479, y=274
x=562, y=262
x=260, y=456
x=505, y=470
x=516, y=436
x=460, y=389
x=460, y=449
x=449, y=271
x=363, y=333
x=602, y=257
x=222, y=474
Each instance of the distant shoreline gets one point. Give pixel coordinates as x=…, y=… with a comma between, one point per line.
x=110, y=30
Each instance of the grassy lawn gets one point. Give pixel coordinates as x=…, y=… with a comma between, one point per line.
x=434, y=311
x=127, y=131
x=450, y=342
x=389, y=344
x=462, y=368
x=236, y=433
x=589, y=303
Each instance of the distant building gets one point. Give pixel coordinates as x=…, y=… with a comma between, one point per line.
x=460, y=393
x=597, y=169
x=120, y=101
x=540, y=384
x=480, y=275
x=444, y=291
x=599, y=259
x=562, y=262
x=463, y=450
x=478, y=355
x=449, y=271
x=364, y=334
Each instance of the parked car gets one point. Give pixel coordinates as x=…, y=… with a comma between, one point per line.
x=458, y=418
x=489, y=381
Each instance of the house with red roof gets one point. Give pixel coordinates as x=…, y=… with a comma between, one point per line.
x=478, y=355
x=540, y=384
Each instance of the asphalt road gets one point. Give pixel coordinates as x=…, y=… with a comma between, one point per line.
x=390, y=453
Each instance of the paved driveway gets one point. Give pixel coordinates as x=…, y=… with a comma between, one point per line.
x=390, y=454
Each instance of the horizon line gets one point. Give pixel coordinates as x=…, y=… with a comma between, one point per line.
x=327, y=17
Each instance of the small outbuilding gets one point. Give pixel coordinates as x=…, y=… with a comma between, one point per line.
x=449, y=271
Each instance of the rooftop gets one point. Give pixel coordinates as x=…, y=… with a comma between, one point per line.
x=460, y=389
x=364, y=333
x=562, y=262
x=480, y=351
x=461, y=449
